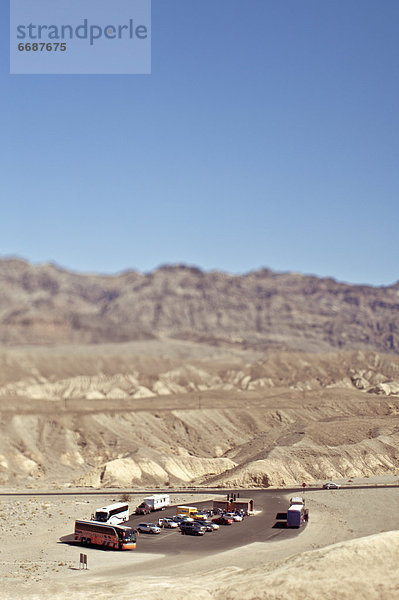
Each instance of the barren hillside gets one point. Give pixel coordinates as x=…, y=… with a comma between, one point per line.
x=140, y=415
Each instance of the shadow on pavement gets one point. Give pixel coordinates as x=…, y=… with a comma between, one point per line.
x=281, y=521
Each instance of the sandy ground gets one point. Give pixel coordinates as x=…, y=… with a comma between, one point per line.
x=31, y=527
x=331, y=557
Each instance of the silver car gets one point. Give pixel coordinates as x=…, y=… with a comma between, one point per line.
x=148, y=528
x=168, y=523
x=210, y=526
x=233, y=516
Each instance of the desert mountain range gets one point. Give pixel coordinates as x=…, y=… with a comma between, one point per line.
x=44, y=304
x=180, y=377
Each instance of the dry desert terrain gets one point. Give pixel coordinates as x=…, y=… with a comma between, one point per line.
x=176, y=414
x=348, y=550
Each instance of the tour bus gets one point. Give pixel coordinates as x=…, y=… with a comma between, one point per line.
x=187, y=511
x=114, y=514
x=118, y=537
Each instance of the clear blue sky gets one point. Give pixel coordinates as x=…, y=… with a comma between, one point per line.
x=267, y=135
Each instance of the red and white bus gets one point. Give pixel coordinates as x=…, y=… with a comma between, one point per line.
x=118, y=537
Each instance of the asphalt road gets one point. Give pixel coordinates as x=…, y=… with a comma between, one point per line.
x=249, y=493
x=260, y=527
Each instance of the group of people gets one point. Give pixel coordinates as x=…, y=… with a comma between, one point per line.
x=221, y=512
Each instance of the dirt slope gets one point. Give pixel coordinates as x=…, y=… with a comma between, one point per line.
x=111, y=416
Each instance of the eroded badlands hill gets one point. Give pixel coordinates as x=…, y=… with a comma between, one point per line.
x=45, y=304
x=140, y=415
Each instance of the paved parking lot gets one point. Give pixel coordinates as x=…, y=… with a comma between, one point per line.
x=259, y=527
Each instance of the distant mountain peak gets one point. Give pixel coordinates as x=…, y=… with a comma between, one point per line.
x=46, y=304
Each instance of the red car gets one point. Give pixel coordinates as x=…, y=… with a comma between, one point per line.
x=223, y=521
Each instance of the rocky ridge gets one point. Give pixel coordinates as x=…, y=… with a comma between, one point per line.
x=44, y=304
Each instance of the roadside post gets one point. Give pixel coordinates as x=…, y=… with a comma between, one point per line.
x=304, y=488
x=83, y=561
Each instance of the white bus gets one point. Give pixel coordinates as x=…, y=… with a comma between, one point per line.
x=114, y=514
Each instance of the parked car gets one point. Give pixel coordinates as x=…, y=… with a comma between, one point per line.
x=192, y=528
x=223, y=520
x=177, y=519
x=143, y=509
x=210, y=526
x=148, y=528
x=297, y=500
x=200, y=515
x=215, y=526
x=168, y=523
x=234, y=516
x=331, y=486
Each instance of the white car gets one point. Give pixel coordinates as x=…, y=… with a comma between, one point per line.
x=148, y=528
x=168, y=523
x=208, y=524
x=330, y=485
x=233, y=516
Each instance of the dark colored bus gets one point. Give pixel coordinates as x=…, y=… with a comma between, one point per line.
x=118, y=537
